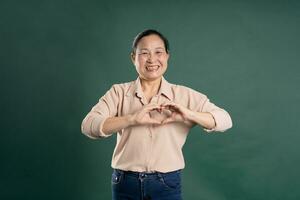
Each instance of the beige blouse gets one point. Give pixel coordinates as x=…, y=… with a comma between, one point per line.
x=149, y=147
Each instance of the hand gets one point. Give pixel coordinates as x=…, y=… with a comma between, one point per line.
x=178, y=113
x=143, y=117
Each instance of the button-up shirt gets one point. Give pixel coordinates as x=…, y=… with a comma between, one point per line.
x=150, y=147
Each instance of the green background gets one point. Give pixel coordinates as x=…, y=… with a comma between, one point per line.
x=59, y=57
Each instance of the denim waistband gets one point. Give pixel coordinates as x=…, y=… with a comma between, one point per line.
x=139, y=174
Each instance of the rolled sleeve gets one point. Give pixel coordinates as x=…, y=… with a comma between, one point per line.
x=222, y=118
x=92, y=124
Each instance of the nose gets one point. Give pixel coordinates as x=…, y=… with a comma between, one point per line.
x=151, y=58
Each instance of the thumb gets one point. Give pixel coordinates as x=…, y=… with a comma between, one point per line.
x=168, y=120
x=153, y=121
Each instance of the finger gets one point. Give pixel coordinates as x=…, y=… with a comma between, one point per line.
x=149, y=108
x=168, y=104
x=152, y=107
x=160, y=110
x=153, y=121
x=172, y=108
x=168, y=120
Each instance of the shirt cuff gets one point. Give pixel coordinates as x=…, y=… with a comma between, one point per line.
x=100, y=128
x=213, y=129
x=222, y=121
x=96, y=128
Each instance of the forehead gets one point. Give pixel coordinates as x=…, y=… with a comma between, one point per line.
x=150, y=41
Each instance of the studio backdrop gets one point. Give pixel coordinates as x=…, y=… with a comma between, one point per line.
x=59, y=57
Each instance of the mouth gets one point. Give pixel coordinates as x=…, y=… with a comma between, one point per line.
x=152, y=68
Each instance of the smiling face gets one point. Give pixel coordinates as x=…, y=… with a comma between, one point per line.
x=150, y=58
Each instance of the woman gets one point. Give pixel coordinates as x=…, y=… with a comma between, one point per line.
x=152, y=118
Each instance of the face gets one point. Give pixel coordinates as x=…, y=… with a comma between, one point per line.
x=150, y=58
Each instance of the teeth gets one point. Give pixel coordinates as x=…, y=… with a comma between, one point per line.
x=152, y=68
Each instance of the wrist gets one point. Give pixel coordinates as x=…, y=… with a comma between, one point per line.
x=130, y=120
x=192, y=116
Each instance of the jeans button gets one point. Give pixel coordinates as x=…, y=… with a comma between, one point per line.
x=143, y=175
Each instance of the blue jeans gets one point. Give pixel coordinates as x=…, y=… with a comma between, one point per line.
x=146, y=186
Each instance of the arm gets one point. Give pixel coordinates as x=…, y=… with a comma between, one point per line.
x=204, y=119
x=211, y=117
x=115, y=124
x=107, y=107
x=102, y=121
x=141, y=117
x=183, y=114
x=221, y=117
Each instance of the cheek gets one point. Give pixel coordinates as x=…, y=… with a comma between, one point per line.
x=163, y=58
x=164, y=61
x=141, y=61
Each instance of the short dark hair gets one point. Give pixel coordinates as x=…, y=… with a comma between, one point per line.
x=146, y=33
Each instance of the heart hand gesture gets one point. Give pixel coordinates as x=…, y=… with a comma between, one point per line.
x=176, y=113
x=143, y=117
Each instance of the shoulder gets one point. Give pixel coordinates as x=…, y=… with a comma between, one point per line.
x=187, y=91
x=122, y=85
x=121, y=88
x=188, y=97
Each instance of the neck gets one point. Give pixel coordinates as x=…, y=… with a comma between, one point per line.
x=151, y=86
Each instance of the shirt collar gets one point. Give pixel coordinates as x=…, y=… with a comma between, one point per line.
x=165, y=88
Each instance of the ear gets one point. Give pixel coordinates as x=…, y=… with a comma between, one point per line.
x=168, y=55
x=132, y=56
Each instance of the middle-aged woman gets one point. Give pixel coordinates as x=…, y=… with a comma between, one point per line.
x=152, y=118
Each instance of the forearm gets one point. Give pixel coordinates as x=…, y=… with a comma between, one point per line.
x=203, y=119
x=115, y=124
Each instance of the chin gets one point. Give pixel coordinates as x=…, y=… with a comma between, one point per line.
x=154, y=77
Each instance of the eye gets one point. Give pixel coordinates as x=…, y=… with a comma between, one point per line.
x=143, y=53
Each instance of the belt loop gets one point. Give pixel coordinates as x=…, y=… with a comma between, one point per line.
x=159, y=175
x=119, y=171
